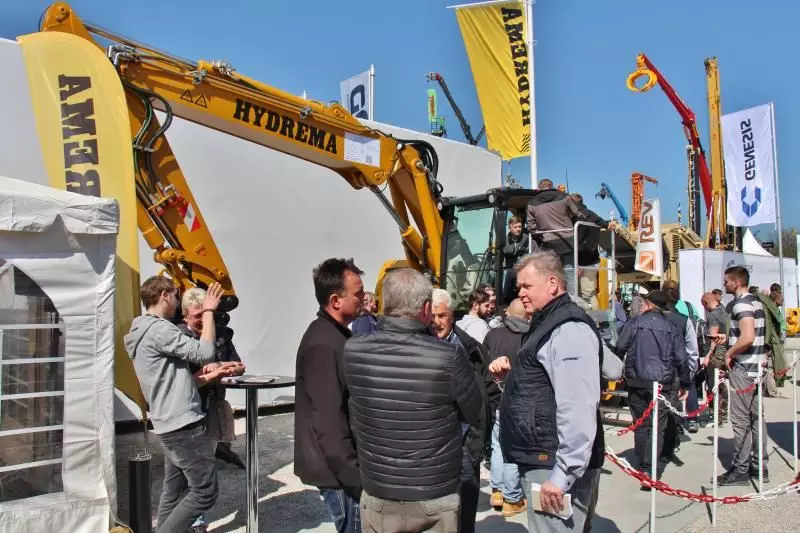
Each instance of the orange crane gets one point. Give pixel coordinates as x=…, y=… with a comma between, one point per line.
x=637, y=193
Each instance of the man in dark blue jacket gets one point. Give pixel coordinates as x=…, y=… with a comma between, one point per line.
x=653, y=350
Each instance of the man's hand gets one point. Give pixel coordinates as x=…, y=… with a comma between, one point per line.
x=500, y=367
x=682, y=394
x=233, y=368
x=550, y=498
x=729, y=361
x=210, y=367
x=213, y=296
x=612, y=225
x=706, y=361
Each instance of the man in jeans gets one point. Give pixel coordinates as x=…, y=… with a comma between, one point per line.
x=504, y=342
x=324, y=447
x=162, y=356
x=413, y=397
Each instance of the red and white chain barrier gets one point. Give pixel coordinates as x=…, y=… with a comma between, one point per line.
x=647, y=481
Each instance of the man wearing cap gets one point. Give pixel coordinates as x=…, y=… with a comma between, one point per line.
x=653, y=350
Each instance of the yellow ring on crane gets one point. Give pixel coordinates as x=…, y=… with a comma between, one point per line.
x=635, y=75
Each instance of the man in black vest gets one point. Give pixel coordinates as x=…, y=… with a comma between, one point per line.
x=549, y=413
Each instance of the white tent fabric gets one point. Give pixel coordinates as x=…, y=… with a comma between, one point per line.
x=56, y=282
x=750, y=244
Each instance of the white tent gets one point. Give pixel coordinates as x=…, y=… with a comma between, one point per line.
x=56, y=359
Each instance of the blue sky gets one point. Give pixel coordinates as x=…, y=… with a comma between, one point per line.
x=588, y=123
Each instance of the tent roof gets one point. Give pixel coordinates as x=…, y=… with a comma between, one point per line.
x=30, y=207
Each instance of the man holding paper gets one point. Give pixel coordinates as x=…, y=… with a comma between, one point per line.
x=549, y=413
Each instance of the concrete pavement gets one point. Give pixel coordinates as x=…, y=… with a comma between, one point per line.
x=287, y=506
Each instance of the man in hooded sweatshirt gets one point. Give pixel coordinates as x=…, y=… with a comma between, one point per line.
x=505, y=341
x=162, y=356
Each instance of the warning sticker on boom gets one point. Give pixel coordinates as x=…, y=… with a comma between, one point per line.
x=360, y=149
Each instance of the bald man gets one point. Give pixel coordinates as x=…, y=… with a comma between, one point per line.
x=718, y=321
x=505, y=341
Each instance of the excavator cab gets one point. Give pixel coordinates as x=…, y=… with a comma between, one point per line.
x=475, y=231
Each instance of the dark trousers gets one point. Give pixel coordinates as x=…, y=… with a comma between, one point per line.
x=469, y=493
x=638, y=400
x=188, y=464
x=674, y=429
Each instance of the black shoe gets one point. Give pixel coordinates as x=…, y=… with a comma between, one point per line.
x=733, y=478
x=693, y=426
x=764, y=476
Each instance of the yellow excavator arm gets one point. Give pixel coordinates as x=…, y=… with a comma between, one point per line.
x=213, y=94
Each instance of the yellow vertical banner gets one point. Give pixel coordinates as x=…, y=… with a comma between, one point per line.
x=494, y=37
x=84, y=131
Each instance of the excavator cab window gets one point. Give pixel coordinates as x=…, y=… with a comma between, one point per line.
x=469, y=253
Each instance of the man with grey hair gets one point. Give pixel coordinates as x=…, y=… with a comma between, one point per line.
x=549, y=413
x=409, y=393
x=477, y=434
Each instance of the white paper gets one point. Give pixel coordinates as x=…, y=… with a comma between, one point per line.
x=536, y=504
x=360, y=149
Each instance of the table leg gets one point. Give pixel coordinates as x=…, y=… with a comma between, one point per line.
x=252, y=460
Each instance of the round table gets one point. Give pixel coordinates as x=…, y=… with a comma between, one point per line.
x=252, y=386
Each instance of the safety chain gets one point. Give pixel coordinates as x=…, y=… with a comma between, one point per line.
x=684, y=414
x=647, y=481
x=782, y=373
x=645, y=416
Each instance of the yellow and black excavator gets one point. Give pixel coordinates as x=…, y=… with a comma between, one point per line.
x=455, y=241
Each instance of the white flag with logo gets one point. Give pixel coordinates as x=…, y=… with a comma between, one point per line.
x=356, y=96
x=749, y=169
x=649, y=254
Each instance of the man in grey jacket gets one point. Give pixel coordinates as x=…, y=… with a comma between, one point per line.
x=161, y=356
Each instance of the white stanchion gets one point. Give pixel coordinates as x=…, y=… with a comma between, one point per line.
x=716, y=448
x=794, y=410
x=654, y=457
x=760, y=432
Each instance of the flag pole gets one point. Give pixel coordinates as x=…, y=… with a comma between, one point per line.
x=534, y=140
x=777, y=200
x=372, y=92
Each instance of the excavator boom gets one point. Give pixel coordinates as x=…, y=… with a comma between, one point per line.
x=213, y=94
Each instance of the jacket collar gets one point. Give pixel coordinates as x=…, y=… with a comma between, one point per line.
x=402, y=325
x=344, y=330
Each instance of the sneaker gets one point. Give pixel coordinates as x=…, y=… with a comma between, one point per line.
x=496, y=500
x=199, y=529
x=733, y=478
x=753, y=473
x=693, y=426
x=513, y=508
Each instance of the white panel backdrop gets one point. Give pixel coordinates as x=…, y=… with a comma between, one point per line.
x=275, y=217
x=702, y=270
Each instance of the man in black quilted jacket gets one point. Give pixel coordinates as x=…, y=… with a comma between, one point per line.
x=654, y=350
x=412, y=399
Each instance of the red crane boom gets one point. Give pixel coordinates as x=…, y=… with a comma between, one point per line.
x=645, y=68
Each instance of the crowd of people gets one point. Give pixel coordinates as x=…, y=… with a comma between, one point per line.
x=396, y=411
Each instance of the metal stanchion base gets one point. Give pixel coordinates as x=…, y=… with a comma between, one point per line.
x=141, y=512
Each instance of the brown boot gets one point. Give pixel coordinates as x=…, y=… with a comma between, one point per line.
x=512, y=508
x=496, y=500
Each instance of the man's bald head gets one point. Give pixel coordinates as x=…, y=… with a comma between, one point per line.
x=709, y=301
x=515, y=308
x=545, y=184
